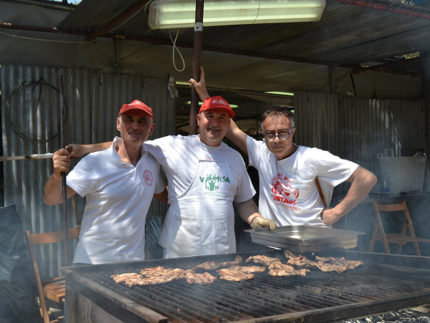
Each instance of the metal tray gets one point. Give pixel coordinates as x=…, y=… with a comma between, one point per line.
x=305, y=238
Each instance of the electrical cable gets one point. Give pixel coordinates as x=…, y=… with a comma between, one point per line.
x=46, y=40
x=175, y=48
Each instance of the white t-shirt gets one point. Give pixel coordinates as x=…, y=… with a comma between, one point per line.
x=203, y=184
x=180, y=155
x=288, y=193
x=118, y=196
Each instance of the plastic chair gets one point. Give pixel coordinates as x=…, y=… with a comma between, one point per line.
x=53, y=289
x=407, y=235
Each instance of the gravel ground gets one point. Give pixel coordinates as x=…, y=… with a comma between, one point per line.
x=420, y=314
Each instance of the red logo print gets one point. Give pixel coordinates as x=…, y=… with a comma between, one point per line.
x=147, y=175
x=284, y=192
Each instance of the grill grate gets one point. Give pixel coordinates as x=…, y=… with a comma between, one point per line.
x=265, y=295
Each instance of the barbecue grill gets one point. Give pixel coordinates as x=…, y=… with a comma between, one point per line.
x=383, y=283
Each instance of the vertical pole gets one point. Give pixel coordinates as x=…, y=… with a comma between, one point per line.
x=426, y=95
x=197, y=50
x=65, y=218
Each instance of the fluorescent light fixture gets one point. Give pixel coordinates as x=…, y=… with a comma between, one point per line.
x=371, y=64
x=233, y=106
x=182, y=83
x=409, y=55
x=280, y=93
x=173, y=14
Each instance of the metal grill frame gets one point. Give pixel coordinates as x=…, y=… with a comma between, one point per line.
x=124, y=307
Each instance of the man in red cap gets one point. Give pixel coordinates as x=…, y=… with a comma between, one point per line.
x=205, y=177
x=119, y=184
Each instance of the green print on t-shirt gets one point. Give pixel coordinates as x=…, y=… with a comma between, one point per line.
x=211, y=181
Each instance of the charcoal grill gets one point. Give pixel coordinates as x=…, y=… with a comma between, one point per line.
x=383, y=283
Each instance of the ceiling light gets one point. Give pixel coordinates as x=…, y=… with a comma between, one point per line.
x=371, y=64
x=182, y=83
x=280, y=93
x=165, y=14
x=409, y=55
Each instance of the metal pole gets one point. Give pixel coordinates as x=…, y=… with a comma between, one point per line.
x=30, y=157
x=197, y=50
x=65, y=218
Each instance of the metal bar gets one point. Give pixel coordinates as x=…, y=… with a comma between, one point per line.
x=30, y=157
x=63, y=176
x=383, y=7
x=118, y=20
x=110, y=301
x=347, y=311
x=197, y=50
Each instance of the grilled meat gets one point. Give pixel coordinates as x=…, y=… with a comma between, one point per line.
x=212, y=265
x=297, y=260
x=126, y=277
x=198, y=278
x=248, y=269
x=280, y=269
x=338, y=265
x=260, y=259
x=324, y=264
x=234, y=275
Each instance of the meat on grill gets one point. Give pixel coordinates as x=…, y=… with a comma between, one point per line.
x=198, y=278
x=324, y=264
x=297, y=260
x=248, y=269
x=127, y=278
x=280, y=269
x=160, y=275
x=212, y=265
x=286, y=272
x=260, y=259
x=338, y=265
x=234, y=275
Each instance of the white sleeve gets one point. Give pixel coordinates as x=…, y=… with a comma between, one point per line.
x=245, y=190
x=160, y=184
x=255, y=150
x=333, y=169
x=81, y=179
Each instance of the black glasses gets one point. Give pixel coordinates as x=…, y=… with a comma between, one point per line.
x=282, y=135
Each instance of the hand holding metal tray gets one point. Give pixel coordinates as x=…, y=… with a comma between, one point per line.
x=305, y=238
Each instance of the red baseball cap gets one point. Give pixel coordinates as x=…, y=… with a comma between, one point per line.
x=136, y=105
x=217, y=102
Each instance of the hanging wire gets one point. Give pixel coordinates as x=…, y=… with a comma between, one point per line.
x=37, y=91
x=175, y=49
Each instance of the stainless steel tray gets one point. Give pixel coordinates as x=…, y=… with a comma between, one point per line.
x=305, y=238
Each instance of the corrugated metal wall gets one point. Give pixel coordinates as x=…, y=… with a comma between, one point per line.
x=359, y=129
x=30, y=125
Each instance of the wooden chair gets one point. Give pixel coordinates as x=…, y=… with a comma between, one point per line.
x=55, y=288
x=407, y=235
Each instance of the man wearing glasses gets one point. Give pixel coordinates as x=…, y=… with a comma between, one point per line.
x=295, y=182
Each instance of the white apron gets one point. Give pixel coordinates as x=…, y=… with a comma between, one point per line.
x=201, y=221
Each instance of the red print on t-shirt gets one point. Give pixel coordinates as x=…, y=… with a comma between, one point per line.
x=284, y=192
x=147, y=175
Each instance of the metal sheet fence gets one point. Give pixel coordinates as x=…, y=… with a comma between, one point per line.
x=30, y=109
x=359, y=129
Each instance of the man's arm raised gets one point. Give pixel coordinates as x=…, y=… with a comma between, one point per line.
x=237, y=136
